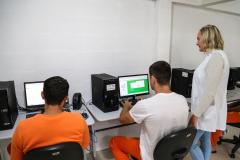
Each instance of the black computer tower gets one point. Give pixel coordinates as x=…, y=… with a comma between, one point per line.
x=105, y=92
x=8, y=105
x=181, y=81
x=231, y=79
x=234, y=77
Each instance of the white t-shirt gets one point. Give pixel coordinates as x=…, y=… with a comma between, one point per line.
x=159, y=116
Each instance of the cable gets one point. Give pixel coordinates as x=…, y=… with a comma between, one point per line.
x=89, y=102
x=20, y=108
x=83, y=102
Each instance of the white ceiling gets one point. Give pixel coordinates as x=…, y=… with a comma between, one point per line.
x=229, y=6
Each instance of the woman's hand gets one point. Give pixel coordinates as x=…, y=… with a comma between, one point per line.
x=193, y=121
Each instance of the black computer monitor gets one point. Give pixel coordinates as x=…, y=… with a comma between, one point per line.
x=133, y=85
x=33, y=98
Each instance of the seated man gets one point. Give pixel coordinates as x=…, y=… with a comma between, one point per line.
x=159, y=115
x=53, y=126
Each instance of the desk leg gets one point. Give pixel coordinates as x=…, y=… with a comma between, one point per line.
x=92, y=142
x=3, y=149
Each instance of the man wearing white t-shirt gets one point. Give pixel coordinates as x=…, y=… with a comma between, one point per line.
x=159, y=115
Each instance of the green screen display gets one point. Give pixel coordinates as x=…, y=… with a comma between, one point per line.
x=137, y=86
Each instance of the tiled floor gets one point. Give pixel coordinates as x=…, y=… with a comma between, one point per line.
x=223, y=150
x=222, y=154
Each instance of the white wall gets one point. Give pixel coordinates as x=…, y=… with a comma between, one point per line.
x=187, y=21
x=163, y=31
x=74, y=39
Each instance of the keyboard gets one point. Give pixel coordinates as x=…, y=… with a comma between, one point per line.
x=133, y=102
x=84, y=114
x=29, y=115
x=234, y=103
x=66, y=110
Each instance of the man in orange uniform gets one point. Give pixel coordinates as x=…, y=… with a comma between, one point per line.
x=53, y=126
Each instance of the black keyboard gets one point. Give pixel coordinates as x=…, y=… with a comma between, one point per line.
x=66, y=110
x=84, y=114
x=233, y=103
x=29, y=115
x=133, y=102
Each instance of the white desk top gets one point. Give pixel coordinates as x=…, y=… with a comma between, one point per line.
x=101, y=116
x=7, y=134
x=231, y=95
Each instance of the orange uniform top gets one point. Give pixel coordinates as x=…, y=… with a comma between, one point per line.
x=44, y=130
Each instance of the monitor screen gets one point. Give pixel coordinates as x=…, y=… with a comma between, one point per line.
x=33, y=95
x=133, y=85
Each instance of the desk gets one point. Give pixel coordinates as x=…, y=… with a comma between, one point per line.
x=106, y=116
x=231, y=95
x=106, y=122
x=6, y=135
x=101, y=116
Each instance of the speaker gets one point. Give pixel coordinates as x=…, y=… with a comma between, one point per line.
x=8, y=105
x=105, y=92
x=181, y=81
x=77, y=101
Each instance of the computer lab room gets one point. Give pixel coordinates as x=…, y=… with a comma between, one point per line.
x=97, y=63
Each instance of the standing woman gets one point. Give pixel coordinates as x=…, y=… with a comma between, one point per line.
x=209, y=90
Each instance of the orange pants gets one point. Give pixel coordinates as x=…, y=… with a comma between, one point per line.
x=122, y=147
x=232, y=117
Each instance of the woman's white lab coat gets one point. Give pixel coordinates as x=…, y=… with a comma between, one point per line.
x=213, y=115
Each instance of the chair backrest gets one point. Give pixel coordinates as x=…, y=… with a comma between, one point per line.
x=61, y=151
x=175, y=146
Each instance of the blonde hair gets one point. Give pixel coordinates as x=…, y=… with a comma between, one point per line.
x=212, y=38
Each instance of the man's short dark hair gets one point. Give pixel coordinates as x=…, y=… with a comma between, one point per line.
x=161, y=70
x=55, y=89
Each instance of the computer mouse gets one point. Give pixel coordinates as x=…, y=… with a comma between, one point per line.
x=85, y=115
x=238, y=84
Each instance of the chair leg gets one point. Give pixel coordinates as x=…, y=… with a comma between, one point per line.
x=232, y=141
x=235, y=148
x=235, y=141
x=232, y=155
x=133, y=158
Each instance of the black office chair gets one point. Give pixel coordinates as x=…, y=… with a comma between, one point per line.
x=235, y=140
x=175, y=146
x=61, y=151
x=233, y=107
